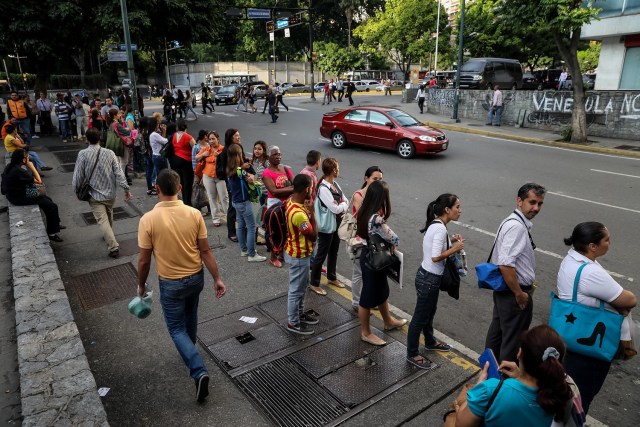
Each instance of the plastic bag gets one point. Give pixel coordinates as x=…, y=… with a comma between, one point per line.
x=199, y=197
x=141, y=307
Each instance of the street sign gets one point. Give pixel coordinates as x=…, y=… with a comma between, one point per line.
x=133, y=46
x=287, y=32
x=282, y=23
x=271, y=37
x=258, y=13
x=117, y=56
x=112, y=46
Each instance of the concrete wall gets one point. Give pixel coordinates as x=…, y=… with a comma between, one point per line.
x=610, y=64
x=614, y=114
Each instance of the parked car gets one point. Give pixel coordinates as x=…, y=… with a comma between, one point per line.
x=383, y=128
x=529, y=81
x=366, y=85
x=589, y=80
x=318, y=87
x=484, y=73
x=297, y=88
x=227, y=95
x=126, y=84
x=547, y=79
x=395, y=85
x=261, y=91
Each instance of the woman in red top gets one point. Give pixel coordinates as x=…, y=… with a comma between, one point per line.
x=181, y=160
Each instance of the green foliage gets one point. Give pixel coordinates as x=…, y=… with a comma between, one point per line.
x=402, y=30
x=336, y=60
x=565, y=133
x=589, y=57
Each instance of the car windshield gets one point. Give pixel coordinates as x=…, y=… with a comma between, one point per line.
x=473, y=66
x=403, y=118
x=227, y=89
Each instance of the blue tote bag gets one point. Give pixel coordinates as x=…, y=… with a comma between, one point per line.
x=590, y=331
x=324, y=217
x=489, y=275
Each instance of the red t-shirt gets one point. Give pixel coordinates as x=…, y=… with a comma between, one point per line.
x=181, y=146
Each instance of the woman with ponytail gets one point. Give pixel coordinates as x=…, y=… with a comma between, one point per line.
x=536, y=394
x=591, y=240
x=436, y=248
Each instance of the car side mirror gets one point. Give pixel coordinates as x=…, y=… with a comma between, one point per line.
x=390, y=125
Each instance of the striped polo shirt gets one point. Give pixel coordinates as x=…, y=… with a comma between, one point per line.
x=298, y=227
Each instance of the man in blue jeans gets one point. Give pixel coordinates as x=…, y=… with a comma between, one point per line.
x=302, y=232
x=177, y=236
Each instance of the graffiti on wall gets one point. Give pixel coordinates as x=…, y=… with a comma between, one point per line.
x=443, y=98
x=554, y=108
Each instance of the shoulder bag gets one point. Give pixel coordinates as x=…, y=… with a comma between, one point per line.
x=167, y=149
x=573, y=321
x=450, y=277
x=349, y=225
x=489, y=275
x=379, y=256
x=83, y=191
x=325, y=218
x=33, y=191
x=126, y=140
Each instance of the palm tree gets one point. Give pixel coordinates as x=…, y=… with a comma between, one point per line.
x=350, y=8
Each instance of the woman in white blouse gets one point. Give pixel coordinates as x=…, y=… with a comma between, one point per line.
x=591, y=240
x=436, y=248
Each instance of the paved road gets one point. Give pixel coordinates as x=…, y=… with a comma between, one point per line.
x=485, y=173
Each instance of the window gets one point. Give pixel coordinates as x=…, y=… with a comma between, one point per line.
x=630, y=79
x=357, y=116
x=376, y=118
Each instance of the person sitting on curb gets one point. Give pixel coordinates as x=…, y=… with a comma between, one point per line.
x=13, y=142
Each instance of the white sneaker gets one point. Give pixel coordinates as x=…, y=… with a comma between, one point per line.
x=257, y=258
x=35, y=137
x=244, y=253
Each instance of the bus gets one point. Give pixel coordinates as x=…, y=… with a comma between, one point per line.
x=229, y=79
x=378, y=75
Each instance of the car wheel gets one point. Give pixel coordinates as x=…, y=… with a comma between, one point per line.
x=217, y=103
x=338, y=139
x=406, y=149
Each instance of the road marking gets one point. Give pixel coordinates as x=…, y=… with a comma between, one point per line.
x=556, y=148
x=298, y=109
x=283, y=134
x=322, y=138
x=615, y=173
x=225, y=114
x=595, y=203
x=542, y=251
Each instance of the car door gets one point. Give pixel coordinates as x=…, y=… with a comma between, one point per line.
x=379, y=134
x=356, y=126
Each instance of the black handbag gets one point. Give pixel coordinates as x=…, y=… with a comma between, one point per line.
x=450, y=277
x=83, y=193
x=379, y=256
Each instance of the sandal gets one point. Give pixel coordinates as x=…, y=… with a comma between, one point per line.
x=391, y=328
x=438, y=346
x=234, y=239
x=422, y=363
x=276, y=263
x=318, y=290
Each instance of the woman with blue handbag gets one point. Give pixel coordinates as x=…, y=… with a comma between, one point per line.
x=436, y=248
x=330, y=205
x=590, y=240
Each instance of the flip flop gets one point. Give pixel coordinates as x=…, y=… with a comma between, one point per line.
x=423, y=363
x=318, y=290
x=391, y=328
x=233, y=238
x=276, y=263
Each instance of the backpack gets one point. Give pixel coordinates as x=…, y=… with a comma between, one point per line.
x=275, y=225
x=254, y=191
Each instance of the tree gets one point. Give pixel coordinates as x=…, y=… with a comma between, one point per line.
x=351, y=8
x=403, y=31
x=336, y=60
x=564, y=20
x=589, y=57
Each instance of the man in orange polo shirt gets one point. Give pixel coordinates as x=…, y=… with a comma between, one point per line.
x=177, y=236
x=302, y=232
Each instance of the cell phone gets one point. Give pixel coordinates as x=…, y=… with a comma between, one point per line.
x=488, y=356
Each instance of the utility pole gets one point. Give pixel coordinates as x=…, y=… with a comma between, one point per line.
x=18, y=57
x=313, y=92
x=460, y=46
x=7, y=73
x=435, y=67
x=127, y=41
x=166, y=55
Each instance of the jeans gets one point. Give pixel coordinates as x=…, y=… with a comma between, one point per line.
x=65, y=131
x=507, y=325
x=25, y=128
x=189, y=108
x=179, y=299
x=33, y=156
x=81, y=125
x=159, y=164
x=427, y=290
x=216, y=190
x=498, y=113
x=274, y=116
x=150, y=170
x=298, y=282
x=589, y=375
x=356, y=280
x=246, y=230
x=103, y=213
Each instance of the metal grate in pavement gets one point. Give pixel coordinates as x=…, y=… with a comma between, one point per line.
x=105, y=286
x=67, y=147
x=66, y=156
x=288, y=396
x=230, y=325
x=127, y=247
x=628, y=147
x=366, y=377
x=118, y=214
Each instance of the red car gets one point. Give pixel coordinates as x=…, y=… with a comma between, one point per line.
x=385, y=128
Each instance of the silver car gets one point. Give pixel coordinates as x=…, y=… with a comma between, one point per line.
x=297, y=88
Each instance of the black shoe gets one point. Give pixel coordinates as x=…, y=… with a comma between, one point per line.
x=424, y=363
x=297, y=329
x=202, y=387
x=488, y=124
x=114, y=253
x=152, y=192
x=496, y=125
x=62, y=227
x=46, y=168
x=309, y=319
x=55, y=238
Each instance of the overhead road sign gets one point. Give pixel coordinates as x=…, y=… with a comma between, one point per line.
x=258, y=13
x=117, y=56
x=133, y=46
x=282, y=23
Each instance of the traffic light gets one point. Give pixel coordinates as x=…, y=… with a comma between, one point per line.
x=294, y=20
x=270, y=27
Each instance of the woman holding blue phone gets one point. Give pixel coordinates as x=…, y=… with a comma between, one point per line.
x=436, y=248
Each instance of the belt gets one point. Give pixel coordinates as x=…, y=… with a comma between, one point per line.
x=182, y=278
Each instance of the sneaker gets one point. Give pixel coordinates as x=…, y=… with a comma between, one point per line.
x=438, y=346
x=46, y=168
x=114, y=253
x=309, y=319
x=244, y=253
x=202, y=387
x=297, y=329
x=35, y=137
x=256, y=258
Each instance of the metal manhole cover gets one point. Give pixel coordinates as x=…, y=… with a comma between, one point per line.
x=230, y=325
x=63, y=147
x=288, y=396
x=67, y=156
x=118, y=214
x=105, y=286
x=68, y=168
x=128, y=247
x=628, y=148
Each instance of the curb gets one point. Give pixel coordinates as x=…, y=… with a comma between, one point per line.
x=599, y=150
